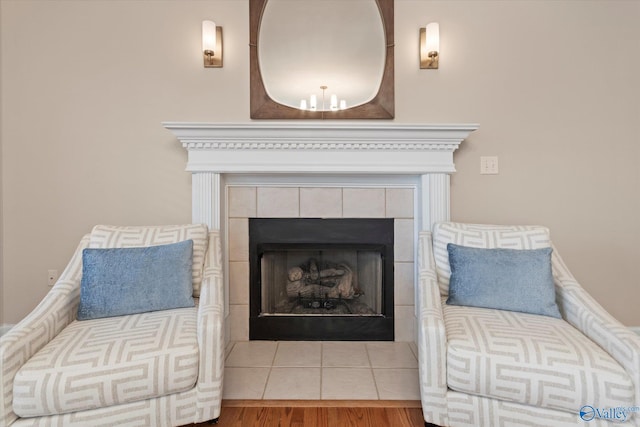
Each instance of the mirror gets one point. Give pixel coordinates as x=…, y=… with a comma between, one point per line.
x=347, y=58
x=305, y=51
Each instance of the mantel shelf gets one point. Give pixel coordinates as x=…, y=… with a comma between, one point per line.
x=293, y=147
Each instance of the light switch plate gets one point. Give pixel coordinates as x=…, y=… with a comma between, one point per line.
x=489, y=165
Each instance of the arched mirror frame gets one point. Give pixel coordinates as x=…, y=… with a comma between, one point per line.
x=382, y=106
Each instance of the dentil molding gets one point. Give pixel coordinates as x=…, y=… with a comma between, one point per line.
x=293, y=147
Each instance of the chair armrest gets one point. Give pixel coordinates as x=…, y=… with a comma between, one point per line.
x=584, y=313
x=211, y=333
x=56, y=310
x=432, y=337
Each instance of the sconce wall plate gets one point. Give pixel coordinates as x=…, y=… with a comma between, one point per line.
x=215, y=60
x=428, y=60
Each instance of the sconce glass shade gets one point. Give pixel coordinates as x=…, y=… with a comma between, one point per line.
x=211, y=44
x=433, y=37
x=430, y=46
x=209, y=36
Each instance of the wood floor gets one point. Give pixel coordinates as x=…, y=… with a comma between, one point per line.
x=320, y=413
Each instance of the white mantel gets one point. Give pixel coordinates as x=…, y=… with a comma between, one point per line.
x=347, y=148
x=346, y=156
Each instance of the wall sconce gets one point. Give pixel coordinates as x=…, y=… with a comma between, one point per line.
x=430, y=46
x=212, y=44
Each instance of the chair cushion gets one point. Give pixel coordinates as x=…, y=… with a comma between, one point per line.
x=110, y=361
x=506, y=279
x=482, y=236
x=112, y=236
x=122, y=281
x=533, y=360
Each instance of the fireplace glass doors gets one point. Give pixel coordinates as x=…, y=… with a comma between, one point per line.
x=321, y=279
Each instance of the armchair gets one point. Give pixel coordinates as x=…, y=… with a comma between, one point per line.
x=160, y=368
x=483, y=367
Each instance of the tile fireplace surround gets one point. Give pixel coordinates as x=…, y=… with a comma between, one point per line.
x=282, y=169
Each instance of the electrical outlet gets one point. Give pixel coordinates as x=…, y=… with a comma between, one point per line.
x=52, y=277
x=489, y=165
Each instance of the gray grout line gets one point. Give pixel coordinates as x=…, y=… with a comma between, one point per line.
x=375, y=383
x=273, y=359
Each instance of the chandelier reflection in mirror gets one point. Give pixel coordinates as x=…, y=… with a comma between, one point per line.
x=334, y=105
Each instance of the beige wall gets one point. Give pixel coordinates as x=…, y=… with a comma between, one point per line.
x=553, y=85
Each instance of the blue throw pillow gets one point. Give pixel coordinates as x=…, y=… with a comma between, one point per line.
x=122, y=281
x=505, y=279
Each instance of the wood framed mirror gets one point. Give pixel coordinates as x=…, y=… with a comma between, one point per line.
x=277, y=56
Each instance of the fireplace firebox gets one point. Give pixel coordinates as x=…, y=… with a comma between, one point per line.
x=321, y=279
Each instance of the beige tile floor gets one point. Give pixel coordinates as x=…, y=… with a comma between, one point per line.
x=314, y=370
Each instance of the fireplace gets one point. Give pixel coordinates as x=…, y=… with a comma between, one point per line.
x=301, y=158
x=321, y=279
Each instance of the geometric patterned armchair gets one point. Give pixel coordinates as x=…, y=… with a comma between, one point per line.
x=487, y=367
x=158, y=368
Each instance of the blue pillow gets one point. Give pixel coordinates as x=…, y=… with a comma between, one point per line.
x=122, y=281
x=505, y=279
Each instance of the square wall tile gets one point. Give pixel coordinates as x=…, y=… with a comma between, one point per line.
x=399, y=202
x=414, y=348
x=238, y=322
x=403, y=240
x=321, y=202
x=228, y=348
x=403, y=285
x=238, y=282
x=404, y=323
x=238, y=239
x=242, y=202
x=278, y=202
x=363, y=202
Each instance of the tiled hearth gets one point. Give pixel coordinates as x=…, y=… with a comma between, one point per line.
x=314, y=370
